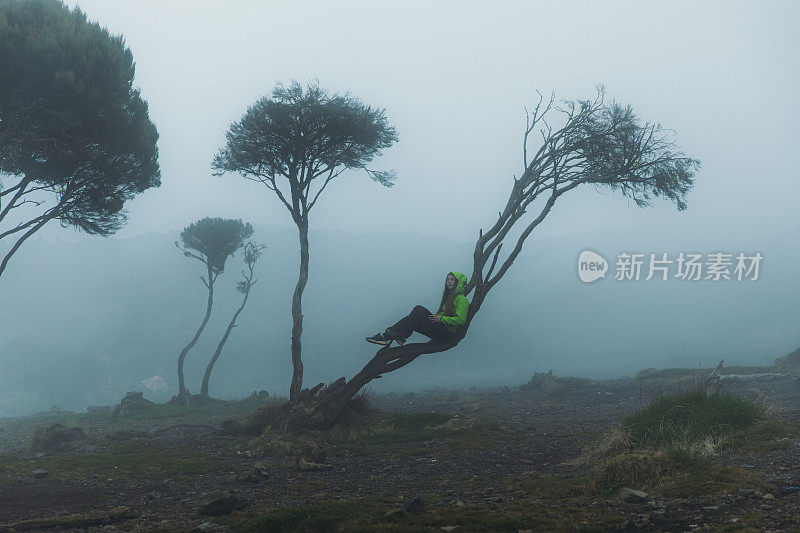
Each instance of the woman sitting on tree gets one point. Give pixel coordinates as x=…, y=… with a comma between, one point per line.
x=440, y=327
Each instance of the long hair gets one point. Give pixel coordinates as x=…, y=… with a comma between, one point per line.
x=447, y=299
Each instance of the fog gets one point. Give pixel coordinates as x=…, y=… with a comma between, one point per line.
x=86, y=321
x=83, y=320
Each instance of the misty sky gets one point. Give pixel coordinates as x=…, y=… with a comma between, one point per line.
x=454, y=78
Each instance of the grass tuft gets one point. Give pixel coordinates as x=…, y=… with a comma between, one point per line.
x=669, y=444
x=691, y=417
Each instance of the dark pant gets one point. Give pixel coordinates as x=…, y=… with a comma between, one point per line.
x=417, y=320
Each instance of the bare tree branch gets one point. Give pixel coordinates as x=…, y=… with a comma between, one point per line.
x=15, y=247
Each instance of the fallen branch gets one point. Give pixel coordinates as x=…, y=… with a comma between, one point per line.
x=117, y=514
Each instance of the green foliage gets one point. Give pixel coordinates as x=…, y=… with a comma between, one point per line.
x=303, y=135
x=71, y=122
x=214, y=240
x=692, y=416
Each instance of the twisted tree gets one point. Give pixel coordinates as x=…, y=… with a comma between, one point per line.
x=211, y=241
x=76, y=141
x=295, y=143
x=252, y=252
x=596, y=144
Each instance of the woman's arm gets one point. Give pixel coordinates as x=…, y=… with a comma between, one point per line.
x=461, y=305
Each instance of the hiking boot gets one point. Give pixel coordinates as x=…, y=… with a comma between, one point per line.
x=379, y=339
x=393, y=336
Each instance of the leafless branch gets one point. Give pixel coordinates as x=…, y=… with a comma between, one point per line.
x=332, y=173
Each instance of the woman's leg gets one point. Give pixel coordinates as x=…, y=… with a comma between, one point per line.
x=404, y=327
x=417, y=320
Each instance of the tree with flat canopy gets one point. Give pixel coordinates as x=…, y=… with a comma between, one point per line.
x=592, y=143
x=211, y=241
x=76, y=141
x=295, y=142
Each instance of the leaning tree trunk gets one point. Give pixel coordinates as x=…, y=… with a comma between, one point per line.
x=327, y=408
x=210, y=367
x=297, y=314
x=182, y=393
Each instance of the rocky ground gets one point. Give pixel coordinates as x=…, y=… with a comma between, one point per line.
x=504, y=459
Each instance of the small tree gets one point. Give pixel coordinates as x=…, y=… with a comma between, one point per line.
x=252, y=252
x=211, y=241
x=75, y=136
x=295, y=143
x=599, y=144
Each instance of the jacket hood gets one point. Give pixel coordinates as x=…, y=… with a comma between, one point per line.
x=462, y=282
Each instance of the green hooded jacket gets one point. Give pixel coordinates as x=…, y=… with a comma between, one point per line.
x=460, y=304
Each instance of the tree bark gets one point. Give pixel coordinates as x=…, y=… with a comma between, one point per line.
x=297, y=313
x=210, y=367
x=326, y=410
x=181, y=387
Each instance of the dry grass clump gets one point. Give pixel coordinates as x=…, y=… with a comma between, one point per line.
x=673, y=472
x=357, y=410
x=636, y=469
x=669, y=444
